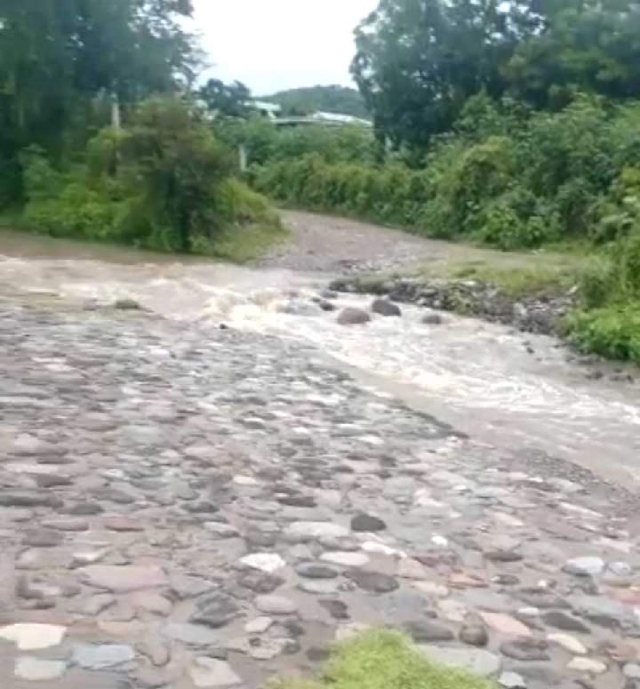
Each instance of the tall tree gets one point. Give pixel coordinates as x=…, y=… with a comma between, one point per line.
x=418, y=61
x=57, y=55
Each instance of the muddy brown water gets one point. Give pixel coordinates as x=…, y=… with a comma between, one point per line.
x=481, y=378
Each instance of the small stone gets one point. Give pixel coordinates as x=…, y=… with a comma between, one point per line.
x=312, y=570
x=151, y=678
x=96, y=604
x=408, y=568
x=103, y=656
x=127, y=305
x=345, y=559
x=505, y=624
x=66, y=524
x=336, y=608
x=275, y=605
x=301, y=532
x=85, y=509
x=477, y=661
x=216, y=611
x=156, y=651
x=319, y=587
x=184, y=586
x=152, y=602
x=38, y=670
x=365, y=523
x=424, y=631
x=265, y=562
x=259, y=625
x=631, y=670
x=585, y=566
x=432, y=319
x=191, y=634
x=384, y=307
x=588, y=666
x=569, y=643
x=304, y=501
x=474, y=633
x=526, y=650
x=260, y=582
x=42, y=538
x=560, y=620
x=123, y=524
x=209, y=672
x=353, y=316
x=123, y=579
x=374, y=582
x=16, y=499
x=221, y=531
x=512, y=680
x=33, y=637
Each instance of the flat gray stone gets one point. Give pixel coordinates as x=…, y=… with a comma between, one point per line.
x=475, y=660
x=123, y=579
x=512, y=680
x=275, y=605
x=209, y=672
x=103, y=656
x=216, y=611
x=191, y=634
x=300, y=532
x=585, y=566
x=38, y=670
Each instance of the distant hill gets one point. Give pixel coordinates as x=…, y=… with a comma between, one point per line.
x=336, y=99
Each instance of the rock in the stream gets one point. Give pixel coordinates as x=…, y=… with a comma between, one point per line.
x=353, y=316
x=384, y=307
x=432, y=319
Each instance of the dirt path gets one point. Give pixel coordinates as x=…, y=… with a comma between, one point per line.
x=321, y=243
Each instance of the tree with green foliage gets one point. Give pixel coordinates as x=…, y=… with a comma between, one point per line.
x=418, y=61
x=226, y=100
x=58, y=56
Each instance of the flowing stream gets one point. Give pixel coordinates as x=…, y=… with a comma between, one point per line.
x=501, y=387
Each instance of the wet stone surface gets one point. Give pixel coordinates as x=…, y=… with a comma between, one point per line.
x=186, y=507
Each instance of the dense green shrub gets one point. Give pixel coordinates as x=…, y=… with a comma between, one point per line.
x=164, y=182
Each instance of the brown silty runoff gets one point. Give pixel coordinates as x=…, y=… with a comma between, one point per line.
x=183, y=506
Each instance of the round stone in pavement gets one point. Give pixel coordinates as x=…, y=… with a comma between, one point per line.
x=374, y=582
x=260, y=582
x=216, y=611
x=423, y=631
x=103, y=656
x=474, y=633
x=475, y=660
x=526, y=649
x=209, y=672
x=365, y=523
x=38, y=670
x=585, y=566
x=275, y=605
x=336, y=608
x=33, y=637
x=560, y=620
x=313, y=570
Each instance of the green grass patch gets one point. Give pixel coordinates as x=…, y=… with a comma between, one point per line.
x=246, y=244
x=383, y=659
x=611, y=331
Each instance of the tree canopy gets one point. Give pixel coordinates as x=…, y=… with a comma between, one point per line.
x=418, y=61
x=57, y=56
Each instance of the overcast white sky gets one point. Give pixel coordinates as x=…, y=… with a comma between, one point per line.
x=273, y=45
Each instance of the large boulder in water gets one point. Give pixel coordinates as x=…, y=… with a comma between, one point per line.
x=384, y=307
x=353, y=316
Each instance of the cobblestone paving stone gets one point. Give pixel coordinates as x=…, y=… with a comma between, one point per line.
x=187, y=507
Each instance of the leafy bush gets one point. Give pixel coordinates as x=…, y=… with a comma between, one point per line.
x=612, y=332
x=163, y=183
